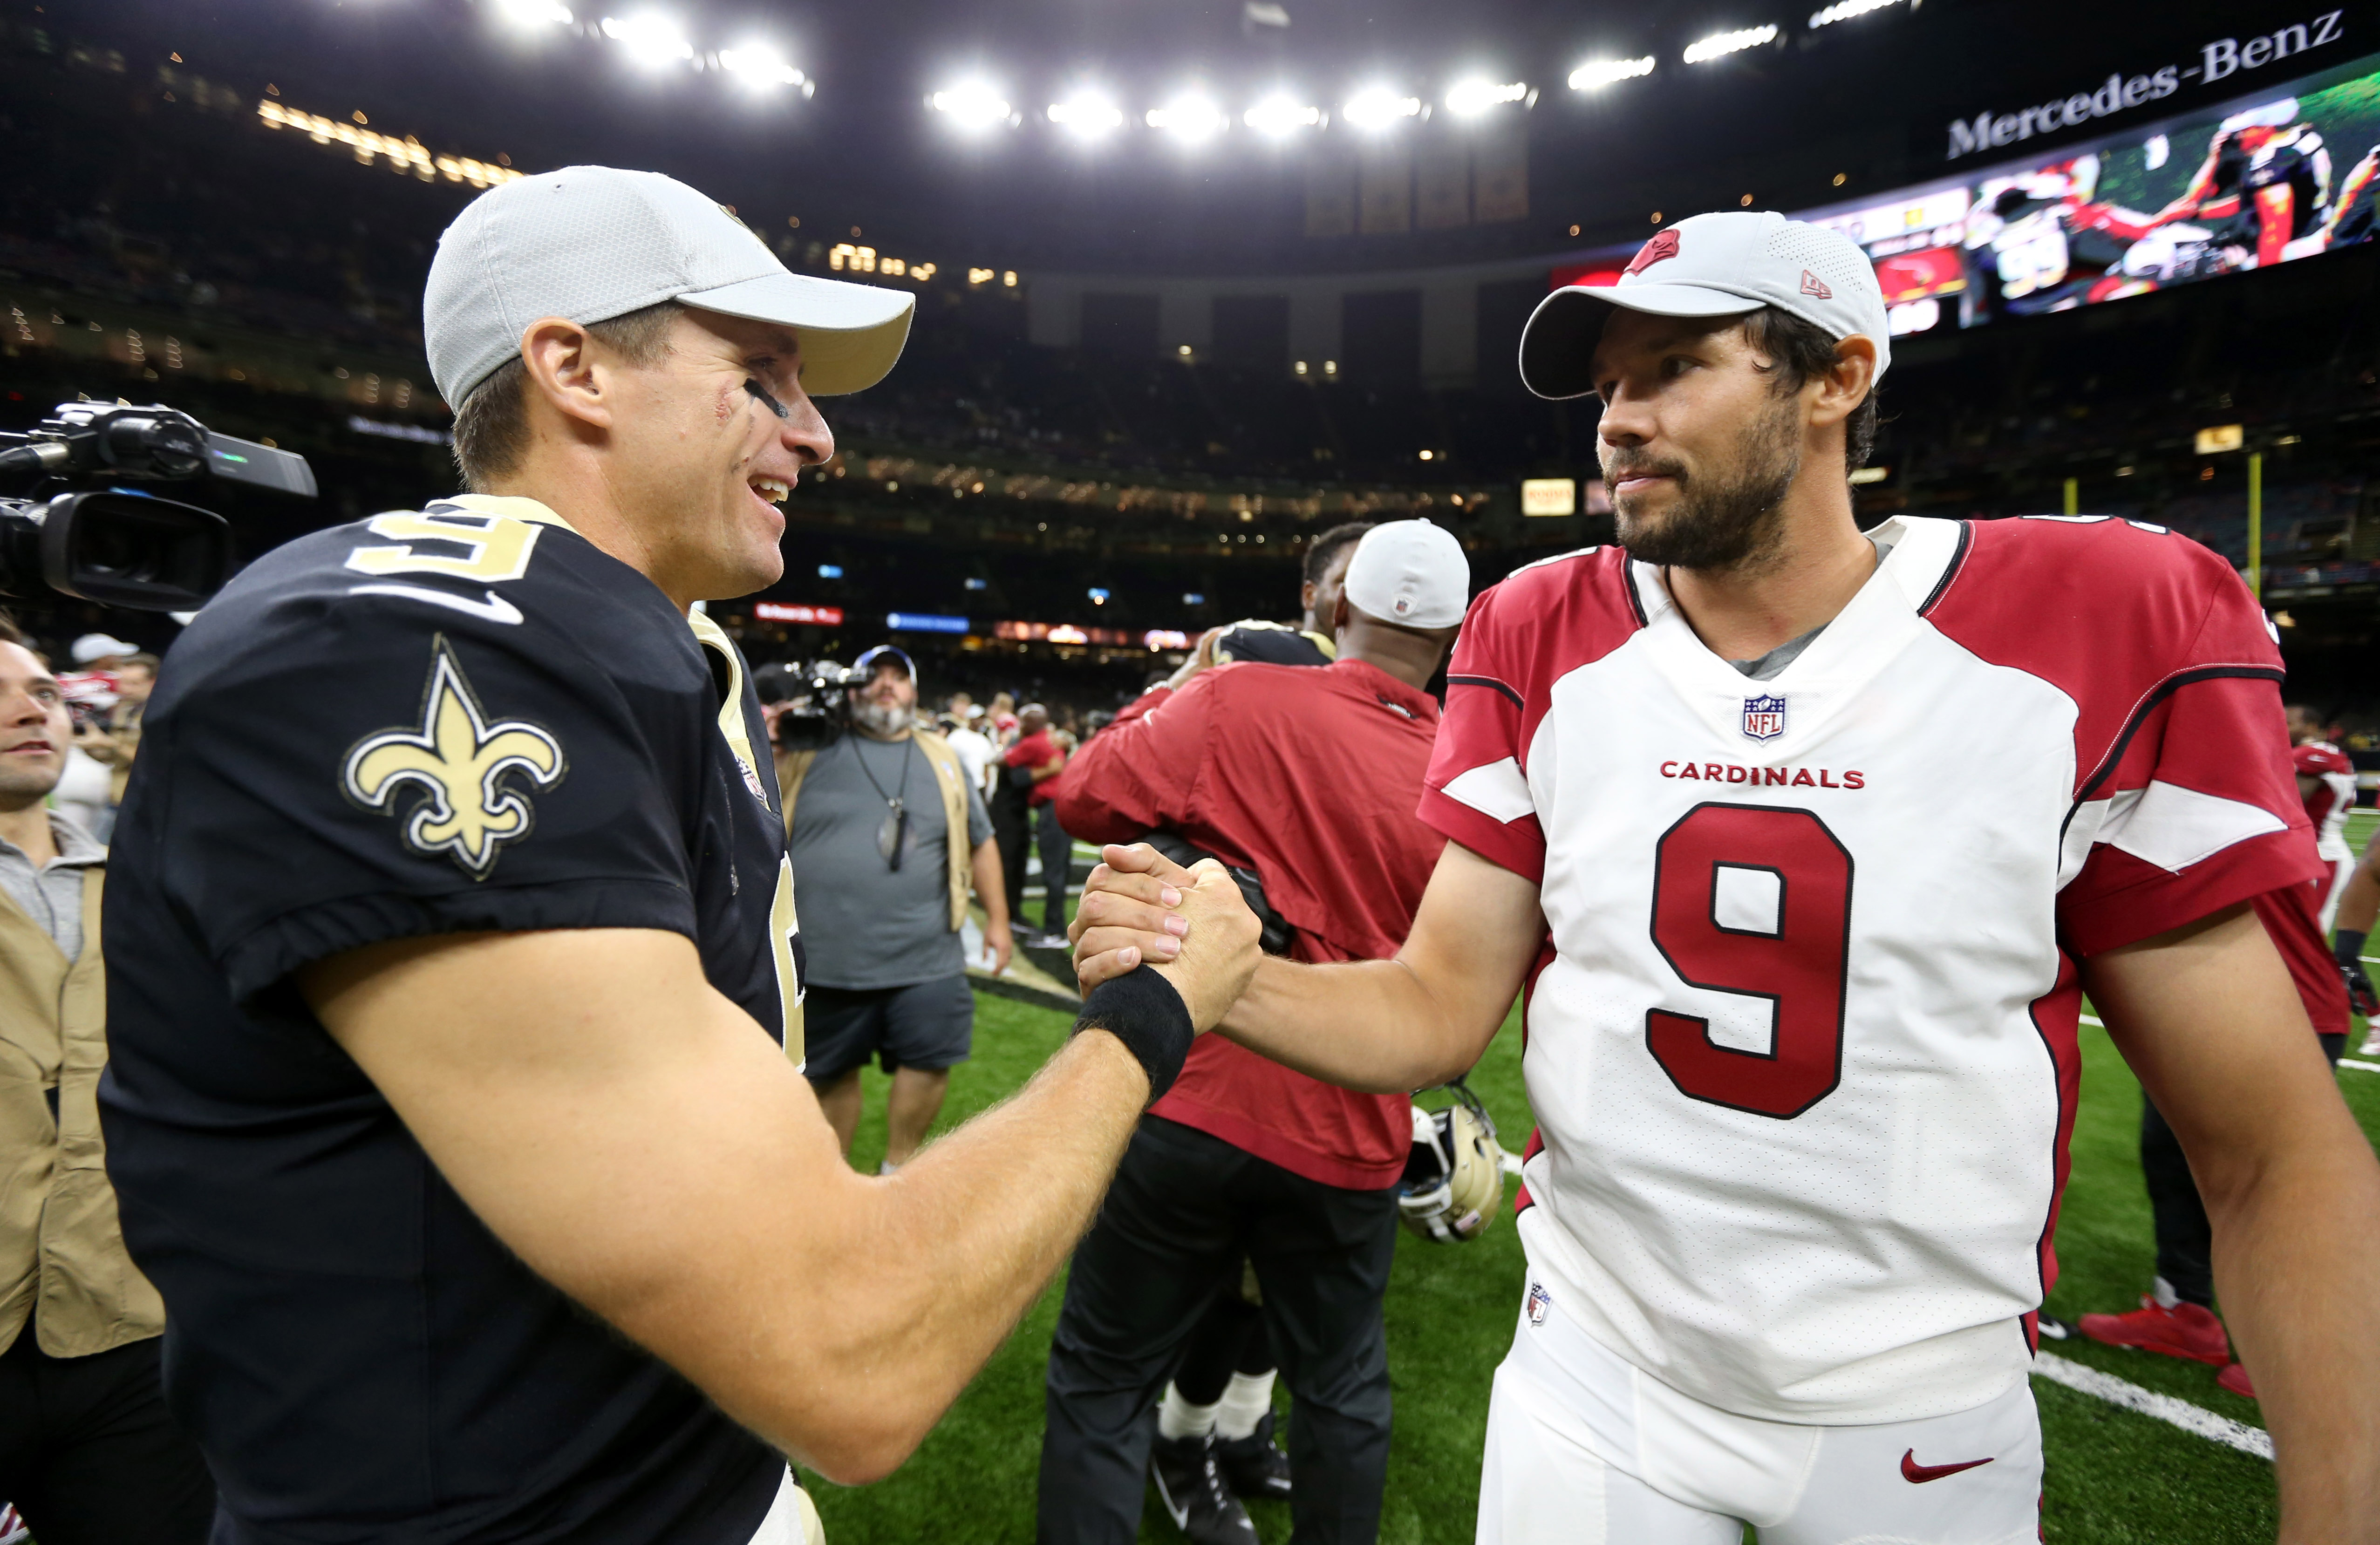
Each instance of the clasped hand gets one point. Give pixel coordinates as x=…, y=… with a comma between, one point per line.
x=1191, y=925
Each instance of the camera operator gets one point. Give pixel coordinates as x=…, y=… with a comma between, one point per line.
x=86, y=1451
x=885, y=821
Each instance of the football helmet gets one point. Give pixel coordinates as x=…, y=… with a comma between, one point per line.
x=1453, y=1183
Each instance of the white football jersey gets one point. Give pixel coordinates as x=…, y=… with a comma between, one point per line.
x=1802, y=1044
x=2333, y=798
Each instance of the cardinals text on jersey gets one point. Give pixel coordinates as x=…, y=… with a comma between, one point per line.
x=1803, y=1044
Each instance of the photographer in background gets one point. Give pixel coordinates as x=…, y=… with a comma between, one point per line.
x=87, y=1450
x=885, y=821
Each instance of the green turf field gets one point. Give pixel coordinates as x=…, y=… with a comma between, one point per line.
x=2114, y=1476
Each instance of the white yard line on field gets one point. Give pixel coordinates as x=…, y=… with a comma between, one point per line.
x=2148, y=1402
x=2359, y=1066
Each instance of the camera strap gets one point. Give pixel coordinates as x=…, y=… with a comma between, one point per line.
x=892, y=836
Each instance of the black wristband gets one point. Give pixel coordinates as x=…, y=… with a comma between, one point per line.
x=2348, y=945
x=1141, y=1009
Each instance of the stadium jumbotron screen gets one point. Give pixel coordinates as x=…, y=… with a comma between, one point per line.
x=2285, y=174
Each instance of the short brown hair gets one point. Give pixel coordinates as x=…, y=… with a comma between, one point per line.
x=12, y=634
x=492, y=423
x=1799, y=350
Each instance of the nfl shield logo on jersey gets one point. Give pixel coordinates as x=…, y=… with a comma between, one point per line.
x=1763, y=718
x=1539, y=1302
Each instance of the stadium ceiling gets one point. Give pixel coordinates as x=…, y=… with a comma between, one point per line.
x=1105, y=134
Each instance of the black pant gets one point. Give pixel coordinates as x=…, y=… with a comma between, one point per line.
x=2185, y=1241
x=1057, y=869
x=1182, y=1211
x=1229, y=1338
x=90, y=1457
x=1011, y=829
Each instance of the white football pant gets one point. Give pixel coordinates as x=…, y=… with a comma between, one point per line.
x=1583, y=1448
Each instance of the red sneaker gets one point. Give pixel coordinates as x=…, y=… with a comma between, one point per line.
x=2235, y=1379
x=2183, y=1330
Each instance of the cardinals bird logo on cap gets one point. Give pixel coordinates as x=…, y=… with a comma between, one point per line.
x=1660, y=247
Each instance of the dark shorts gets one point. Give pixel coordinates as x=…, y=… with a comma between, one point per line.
x=928, y=1025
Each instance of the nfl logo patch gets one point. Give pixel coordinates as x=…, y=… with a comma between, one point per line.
x=1539, y=1301
x=1763, y=718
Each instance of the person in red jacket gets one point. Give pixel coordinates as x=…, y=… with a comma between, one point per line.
x=1307, y=777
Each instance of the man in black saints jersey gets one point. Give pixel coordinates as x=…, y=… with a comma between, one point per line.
x=446, y=1107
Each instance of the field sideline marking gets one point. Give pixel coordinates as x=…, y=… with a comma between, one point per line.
x=2148, y=1402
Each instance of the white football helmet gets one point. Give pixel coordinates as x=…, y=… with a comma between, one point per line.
x=1453, y=1185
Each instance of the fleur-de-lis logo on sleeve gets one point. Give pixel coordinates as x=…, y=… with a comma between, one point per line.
x=459, y=761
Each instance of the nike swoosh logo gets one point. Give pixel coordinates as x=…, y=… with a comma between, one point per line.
x=494, y=609
x=1918, y=1475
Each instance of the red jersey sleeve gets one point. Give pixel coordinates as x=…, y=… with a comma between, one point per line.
x=1137, y=774
x=1477, y=790
x=2194, y=806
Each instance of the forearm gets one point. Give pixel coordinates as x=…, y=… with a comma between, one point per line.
x=1367, y=1024
x=2208, y=1017
x=2297, y=1264
x=941, y=1260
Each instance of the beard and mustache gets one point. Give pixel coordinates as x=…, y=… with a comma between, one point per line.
x=1724, y=518
x=882, y=719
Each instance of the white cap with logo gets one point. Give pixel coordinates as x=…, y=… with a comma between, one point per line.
x=1712, y=265
x=1408, y=573
x=592, y=243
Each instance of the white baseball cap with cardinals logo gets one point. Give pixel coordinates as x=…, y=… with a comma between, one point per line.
x=1711, y=265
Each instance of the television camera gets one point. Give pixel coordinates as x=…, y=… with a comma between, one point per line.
x=88, y=525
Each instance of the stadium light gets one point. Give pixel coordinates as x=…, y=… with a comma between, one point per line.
x=1469, y=98
x=651, y=38
x=1378, y=107
x=760, y=66
x=1719, y=44
x=1843, y=10
x=972, y=106
x=534, y=13
x=1279, y=116
x=1086, y=116
x=1191, y=118
x=1596, y=74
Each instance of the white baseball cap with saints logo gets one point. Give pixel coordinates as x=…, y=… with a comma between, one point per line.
x=1712, y=265
x=592, y=243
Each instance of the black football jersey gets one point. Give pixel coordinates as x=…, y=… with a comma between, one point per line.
x=462, y=718
x=1274, y=643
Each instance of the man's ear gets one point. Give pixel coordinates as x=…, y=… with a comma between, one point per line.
x=1306, y=590
x=1340, y=614
x=560, y=357
x=1843, y=388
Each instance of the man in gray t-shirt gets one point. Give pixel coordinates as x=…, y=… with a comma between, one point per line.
x=882, y=895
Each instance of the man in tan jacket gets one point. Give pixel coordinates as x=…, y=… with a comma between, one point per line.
x=88, y=1453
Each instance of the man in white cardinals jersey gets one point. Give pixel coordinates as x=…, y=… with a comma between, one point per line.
x=2326, y=783
x=1806, y=844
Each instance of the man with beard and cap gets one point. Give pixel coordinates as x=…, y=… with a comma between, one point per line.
x=887, y=821
x=1305, y=776
x=1806, y=844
